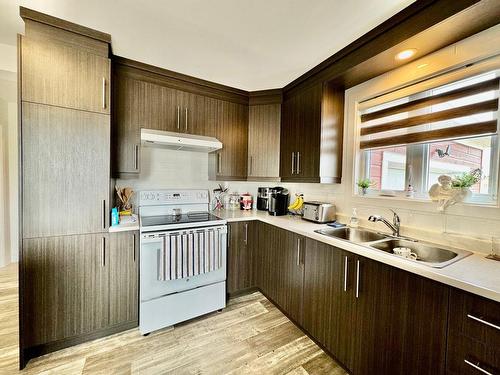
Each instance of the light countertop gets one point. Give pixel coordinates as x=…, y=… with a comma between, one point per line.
x=474, y=274
x=127, y=223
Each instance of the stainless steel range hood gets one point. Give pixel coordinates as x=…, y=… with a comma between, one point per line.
x=179, y=141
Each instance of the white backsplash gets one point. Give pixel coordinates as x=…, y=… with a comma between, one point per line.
x=162, y=169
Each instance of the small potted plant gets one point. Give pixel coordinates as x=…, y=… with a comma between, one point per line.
x=364, y=184
x=465, y=181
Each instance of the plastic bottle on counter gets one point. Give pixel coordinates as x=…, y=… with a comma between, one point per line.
x=354, y=221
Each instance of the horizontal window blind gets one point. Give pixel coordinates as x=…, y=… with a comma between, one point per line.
x=466, y=108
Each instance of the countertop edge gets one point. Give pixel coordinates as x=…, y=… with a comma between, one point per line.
x=438, y=274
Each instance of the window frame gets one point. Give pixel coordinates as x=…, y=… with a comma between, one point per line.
x=418, y=154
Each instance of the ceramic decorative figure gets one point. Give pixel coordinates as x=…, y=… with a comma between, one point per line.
x=445, y=194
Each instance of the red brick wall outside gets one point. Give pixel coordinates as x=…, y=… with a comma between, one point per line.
x=459, y=154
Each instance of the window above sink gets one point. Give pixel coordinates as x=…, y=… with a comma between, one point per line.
x=448, y=129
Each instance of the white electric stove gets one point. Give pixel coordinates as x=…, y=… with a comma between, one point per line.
x=183, y=258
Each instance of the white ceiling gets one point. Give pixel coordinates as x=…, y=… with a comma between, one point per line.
x=248, y=44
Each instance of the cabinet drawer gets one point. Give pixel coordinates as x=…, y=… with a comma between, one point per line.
x=468, y=356
x=475, y=317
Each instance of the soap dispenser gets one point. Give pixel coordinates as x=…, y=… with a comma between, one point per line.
x=354, y=221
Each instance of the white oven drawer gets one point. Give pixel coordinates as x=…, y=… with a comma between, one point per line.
x=180, y=260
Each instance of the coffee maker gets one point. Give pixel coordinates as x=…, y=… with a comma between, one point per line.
x=278, y=201
x=263, y=194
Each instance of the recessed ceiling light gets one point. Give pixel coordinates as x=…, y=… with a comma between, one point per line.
x=406, y=54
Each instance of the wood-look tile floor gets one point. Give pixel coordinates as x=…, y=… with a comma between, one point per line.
x=250, y=336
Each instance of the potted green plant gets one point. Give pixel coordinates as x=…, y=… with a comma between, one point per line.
x=465, y=181
x=364, y=184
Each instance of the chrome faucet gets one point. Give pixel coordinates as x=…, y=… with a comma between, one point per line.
x=396, y=222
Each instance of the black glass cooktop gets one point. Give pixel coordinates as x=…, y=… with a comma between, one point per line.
x=191, y=217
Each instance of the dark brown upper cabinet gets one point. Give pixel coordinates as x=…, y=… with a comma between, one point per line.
x=264, y=123
x=142, y=99
x=311, y=134
x=230, y=163
x=58, y=74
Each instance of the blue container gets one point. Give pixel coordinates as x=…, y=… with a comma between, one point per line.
x=115, y=217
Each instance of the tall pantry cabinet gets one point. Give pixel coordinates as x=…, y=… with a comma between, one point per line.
x=69, y=276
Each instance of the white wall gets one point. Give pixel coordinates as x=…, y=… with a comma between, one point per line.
x=8, y=156
x=13, y=182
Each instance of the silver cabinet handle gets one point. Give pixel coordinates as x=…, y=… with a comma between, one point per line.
x=298, y=163
x=483, y=321
x=219, y=162
x=246, y=233
x=133, y=248
x=103, y=92
x=357, y=278
x=136, y=157
x=186, y=113
x=298, y=251
x=477, y=367
x=293, y=162
x=178, y=117
x=251, y=166
x=104, y=213
x=103, y=252
x=346, y=269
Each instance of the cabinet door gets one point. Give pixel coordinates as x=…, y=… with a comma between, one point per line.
x=289, y=273
x=162, y=110
x=60, y=75
x=404, y=315
x=65, y=287
x=195, y=115
x=309, y=130
x=123, y=277
x=239, y=257
x=128, y=114
x=328, y=298
x=301, y=135
x=473, y=334
x=263, y=141
x=65, y=167
x=264, y=261
x=289, y=138
x=233, y=133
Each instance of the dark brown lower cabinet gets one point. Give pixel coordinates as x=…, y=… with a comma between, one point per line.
x=288, y=273
x=239, y=256
x=373, y=318
x=328, y=299
x=279, y=267
x=123, y=278
x=400, y=321
x=473, y=335
x=75, y=287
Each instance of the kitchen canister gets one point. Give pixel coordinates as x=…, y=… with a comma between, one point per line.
x=246, y=201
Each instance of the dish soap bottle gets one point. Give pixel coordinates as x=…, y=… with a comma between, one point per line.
x=354, y=221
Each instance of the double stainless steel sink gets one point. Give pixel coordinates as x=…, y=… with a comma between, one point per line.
x=428, y=254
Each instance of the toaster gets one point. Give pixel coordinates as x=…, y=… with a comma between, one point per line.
x=319, y=212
